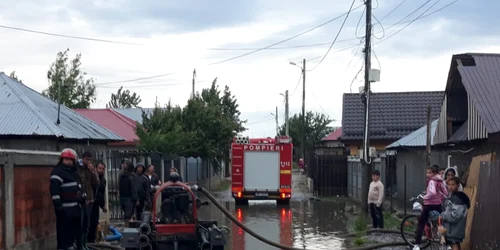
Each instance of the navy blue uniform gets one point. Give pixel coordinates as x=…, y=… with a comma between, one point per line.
x=65, y=189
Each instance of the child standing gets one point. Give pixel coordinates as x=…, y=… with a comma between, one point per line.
x=433, y=200
x=451, y=173
x=455, y=215
x=375, y=199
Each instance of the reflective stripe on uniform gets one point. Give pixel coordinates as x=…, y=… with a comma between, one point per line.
x=55, y=177
x=69, y=184
x=70, y=204
x=56, y=197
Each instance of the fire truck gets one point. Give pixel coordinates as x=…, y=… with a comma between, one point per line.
x=262, y=169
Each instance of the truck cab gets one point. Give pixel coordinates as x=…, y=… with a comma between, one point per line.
x=262, y=169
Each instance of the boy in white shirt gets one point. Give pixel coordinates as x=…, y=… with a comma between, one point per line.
x=376, y=195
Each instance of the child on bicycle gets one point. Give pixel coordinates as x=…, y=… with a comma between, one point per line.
x=433, y=200
x=455, y=215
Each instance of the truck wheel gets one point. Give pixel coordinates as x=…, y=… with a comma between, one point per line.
x=241, y=202
x=284, y=202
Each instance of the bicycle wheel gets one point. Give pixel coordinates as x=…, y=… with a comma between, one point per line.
x=409, y=227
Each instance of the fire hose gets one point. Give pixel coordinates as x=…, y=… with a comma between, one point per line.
x=280, y=246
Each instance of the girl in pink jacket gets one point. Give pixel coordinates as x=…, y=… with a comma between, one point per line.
x=433, y=200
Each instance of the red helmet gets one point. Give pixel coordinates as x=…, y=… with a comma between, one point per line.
x=68, y=153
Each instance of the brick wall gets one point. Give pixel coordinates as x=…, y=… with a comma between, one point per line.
x=35, y=217
x=1, y=209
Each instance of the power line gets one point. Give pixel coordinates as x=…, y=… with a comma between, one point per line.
x=381, y=26
x=394, y=9
x=296, y=86
x=411, y=13
x=65, y=36
x=245, y=54
x=337, y=36
x=359, y=22
x=408, y=24
x=134, y=80
x=290, y=38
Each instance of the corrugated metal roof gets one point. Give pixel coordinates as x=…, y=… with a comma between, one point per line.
x=134, y=113
x=25, y=112
x=461, y=134
x=482, y=82
x=392, y=115
x=112, y=120
x=417, y=138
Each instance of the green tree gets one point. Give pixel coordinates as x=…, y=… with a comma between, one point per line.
x=124, y=99
x=14, y=76
x=203, y=128
x=317, y=126
x=76, y=91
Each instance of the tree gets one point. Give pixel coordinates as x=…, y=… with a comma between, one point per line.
x=203, y=128
x=124, y=99
x=317, y=126
x=14, y=76
x=67, y=76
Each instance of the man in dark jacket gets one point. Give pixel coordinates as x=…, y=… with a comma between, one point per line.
x=67, y=196
x=128, y=192
x=90, y=180
x=143, y=187
x=99, y=203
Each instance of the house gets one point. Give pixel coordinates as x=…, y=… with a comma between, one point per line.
x=470, y=113
x=31, y=136
x=331, y=145
x=392, y=115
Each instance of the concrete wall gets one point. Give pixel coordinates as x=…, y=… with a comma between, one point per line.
x=355, y=178
x=415, y=161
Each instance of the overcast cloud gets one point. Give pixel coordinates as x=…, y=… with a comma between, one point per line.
x=175, y=36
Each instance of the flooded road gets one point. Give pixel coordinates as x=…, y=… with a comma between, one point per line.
x=304, y=224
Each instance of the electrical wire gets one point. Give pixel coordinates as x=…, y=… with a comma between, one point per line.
x=354, y=78
x=337, y=36
x=298, y=82
x=290, y=38
x=433, y=12
x=245, y=54
x=359, y=22
x=408, y=24
x=409, y=14
x=381, y=26
x=376, y=57
x=394, y=9
x=65, y=36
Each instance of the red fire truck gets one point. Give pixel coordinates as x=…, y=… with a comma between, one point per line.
x=262, y=169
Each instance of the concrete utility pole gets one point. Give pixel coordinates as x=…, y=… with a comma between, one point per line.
x=428, y=145
x=277, y=123
x=304, y=109
x=194, y=82
x=366, y=98
x=287, y=130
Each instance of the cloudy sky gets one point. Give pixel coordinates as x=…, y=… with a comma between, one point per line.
x=171, y=38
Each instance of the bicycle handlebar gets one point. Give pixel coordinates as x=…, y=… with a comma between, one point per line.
x=420, y=196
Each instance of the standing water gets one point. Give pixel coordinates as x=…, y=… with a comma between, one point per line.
x=303, y=224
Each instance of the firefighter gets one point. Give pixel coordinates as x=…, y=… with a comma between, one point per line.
x=67, y=196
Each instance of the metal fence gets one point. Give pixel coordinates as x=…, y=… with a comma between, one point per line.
x=485, y=227
x=329, y=174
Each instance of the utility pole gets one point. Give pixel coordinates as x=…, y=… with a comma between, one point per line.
x=287, y=131
x=304, y=110
x=194, y=82
x=366, y=98
x=277, y=123
x=428, y=145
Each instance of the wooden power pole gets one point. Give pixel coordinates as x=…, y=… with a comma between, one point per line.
x=428, y=144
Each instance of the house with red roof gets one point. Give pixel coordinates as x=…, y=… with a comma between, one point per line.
x=331, y=144
x=115, y=122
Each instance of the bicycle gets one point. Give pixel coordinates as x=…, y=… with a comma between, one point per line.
x=431, y=233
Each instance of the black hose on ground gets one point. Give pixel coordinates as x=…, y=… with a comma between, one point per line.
x=283, y=247
x=99, y=246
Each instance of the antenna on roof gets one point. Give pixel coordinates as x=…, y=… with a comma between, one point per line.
x=58, y=103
